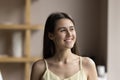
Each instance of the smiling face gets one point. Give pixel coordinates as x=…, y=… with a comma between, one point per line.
x=64, y=35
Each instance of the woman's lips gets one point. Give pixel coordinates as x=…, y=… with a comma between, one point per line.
x=69, y=40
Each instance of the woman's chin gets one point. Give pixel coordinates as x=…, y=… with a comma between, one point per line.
x=69, y=46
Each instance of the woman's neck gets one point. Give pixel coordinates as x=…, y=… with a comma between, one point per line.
x=63, y=56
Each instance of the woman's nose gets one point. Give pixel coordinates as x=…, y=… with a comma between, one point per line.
x=69, y=33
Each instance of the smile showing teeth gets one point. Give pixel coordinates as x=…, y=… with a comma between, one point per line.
x=68, y=40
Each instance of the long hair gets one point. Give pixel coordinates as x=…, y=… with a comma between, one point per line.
x=48, y=44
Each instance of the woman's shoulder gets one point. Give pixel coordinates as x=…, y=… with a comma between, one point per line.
x=88, y=65
x=88, y=61
x=38, y=69
x=39, y=65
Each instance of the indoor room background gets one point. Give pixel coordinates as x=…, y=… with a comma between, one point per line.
x=94, y=26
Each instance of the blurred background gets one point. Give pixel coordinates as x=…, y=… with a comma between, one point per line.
x=97, y=25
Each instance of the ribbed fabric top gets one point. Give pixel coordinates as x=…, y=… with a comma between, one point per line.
x=49, y=75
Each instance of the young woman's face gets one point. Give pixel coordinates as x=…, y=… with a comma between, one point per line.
x=64, y=35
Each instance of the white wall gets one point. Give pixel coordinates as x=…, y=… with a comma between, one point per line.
x=113, y=39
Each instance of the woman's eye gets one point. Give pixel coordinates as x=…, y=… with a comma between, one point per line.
x=62, y=30
x=72, y=29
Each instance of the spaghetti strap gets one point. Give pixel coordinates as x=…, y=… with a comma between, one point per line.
x=49, y=75
x=80, y=62
x=46, y=64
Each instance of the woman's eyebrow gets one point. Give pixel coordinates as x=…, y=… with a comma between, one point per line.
x=71, y=26
x=61, y=28
x=65, y=27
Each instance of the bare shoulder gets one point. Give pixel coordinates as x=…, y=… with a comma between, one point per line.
x=88, y=62
x=89, y=68
x=40, y=64
x=38, y=69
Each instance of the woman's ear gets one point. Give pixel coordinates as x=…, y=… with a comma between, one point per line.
x=51, y=36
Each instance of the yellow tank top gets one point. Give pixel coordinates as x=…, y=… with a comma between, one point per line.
x=49, y=75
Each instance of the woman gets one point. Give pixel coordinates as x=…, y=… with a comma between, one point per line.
x=61, y=59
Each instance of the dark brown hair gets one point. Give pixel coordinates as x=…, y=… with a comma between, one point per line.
x=48, y=45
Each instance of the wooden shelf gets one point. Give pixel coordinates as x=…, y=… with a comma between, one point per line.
x=17, y=60
x=27, y=27
x=20, y=27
